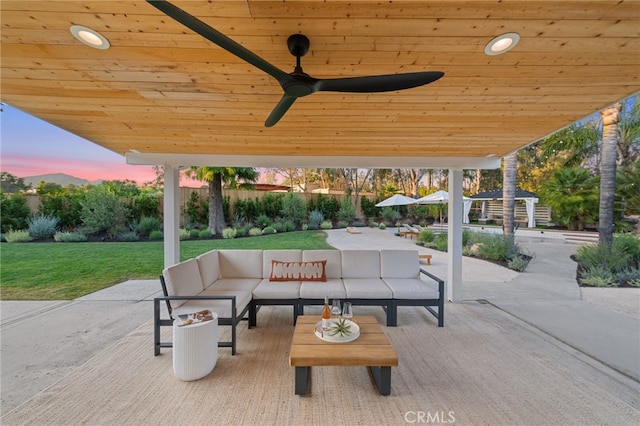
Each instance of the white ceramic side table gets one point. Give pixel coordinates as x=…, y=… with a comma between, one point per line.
x=195, y=349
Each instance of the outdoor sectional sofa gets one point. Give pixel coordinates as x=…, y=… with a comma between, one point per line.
x=236, y=283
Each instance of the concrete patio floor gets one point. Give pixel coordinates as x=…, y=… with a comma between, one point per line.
x=43, y=342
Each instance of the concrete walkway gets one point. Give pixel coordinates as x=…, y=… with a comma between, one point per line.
x=42, y=342
x=601, y=323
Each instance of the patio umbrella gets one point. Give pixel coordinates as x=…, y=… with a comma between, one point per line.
x=439, y=197
x=396, y=200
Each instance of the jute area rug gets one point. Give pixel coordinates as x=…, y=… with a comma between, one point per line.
x=482, y=368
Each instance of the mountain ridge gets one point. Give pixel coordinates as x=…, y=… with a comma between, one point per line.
x=62, y=179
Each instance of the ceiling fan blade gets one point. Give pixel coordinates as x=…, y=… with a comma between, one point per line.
x=280, y=109
x=378, y=83
x=218, y=38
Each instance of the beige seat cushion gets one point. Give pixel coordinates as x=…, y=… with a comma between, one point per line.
x=277, y=290
x=412, y=288
x=332, y=288
x=366, y=288
x=220, y=307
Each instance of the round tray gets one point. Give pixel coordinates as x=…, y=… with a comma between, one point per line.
x=355, y=333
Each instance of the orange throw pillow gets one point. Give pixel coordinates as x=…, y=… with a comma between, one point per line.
x=298, y=271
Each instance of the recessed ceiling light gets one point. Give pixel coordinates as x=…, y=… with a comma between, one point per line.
x=502, y=44
x=89, y=37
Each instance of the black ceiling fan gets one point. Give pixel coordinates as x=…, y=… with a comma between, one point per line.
x=298, y=83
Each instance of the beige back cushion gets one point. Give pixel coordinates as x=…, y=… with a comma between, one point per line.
x=183, y=279
x=333, y=258
x=360, y=264
x=399, y=264
x=240, y=263
x=209, y=266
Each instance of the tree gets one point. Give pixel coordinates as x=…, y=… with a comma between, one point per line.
x=509, y=193
x=608, y=173
x=234, y=177
x=11, y=183
x=628, y=188
x=572, y=194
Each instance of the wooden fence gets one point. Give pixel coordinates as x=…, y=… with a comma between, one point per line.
x=33, y=200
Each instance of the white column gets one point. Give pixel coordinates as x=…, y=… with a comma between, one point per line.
x=454, y=255
x=171, y=215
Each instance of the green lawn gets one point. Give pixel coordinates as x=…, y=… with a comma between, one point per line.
x=64, y=271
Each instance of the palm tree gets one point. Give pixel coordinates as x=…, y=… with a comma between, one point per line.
x=214, y=176
x=510, y=163
x=572, y=194
x=608, y=173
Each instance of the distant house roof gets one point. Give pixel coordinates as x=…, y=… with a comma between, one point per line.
x=496, y=194
x=270, y=187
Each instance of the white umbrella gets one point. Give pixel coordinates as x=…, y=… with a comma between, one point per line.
x=396, y=200
x=435, y=198
x=438, y=197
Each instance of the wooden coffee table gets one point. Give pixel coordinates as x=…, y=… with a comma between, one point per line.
x=372, y=350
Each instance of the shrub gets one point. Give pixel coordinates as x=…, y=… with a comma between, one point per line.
x=628, y=275
x=156, y=235
x=315, y=219
x=347, y=211
x=389, y=214
x=624, y=253
x=148, y=224
x=518, y=263
x=326, y=224
x=128, y=236
x=329, y=206
x=241, y=231
x=185, y=234
x=14, y=211
x=342, y=224
x=194, y=233
x=279, y=226
x=197, y=210
x=373, y=223
x=368, y=207
x=598, y=276
x=70, y=237
x=293, y=208
x=102, y=210
x=262, y=221
x=441, y=242
x=42, y=227
x=425, y=236
x=255, y=232
x=382, y=225
x=271, y=206
x=19, y=236
x=268, y=230
x=205, y=233
x=229, y=233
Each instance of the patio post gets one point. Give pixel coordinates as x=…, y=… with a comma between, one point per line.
x=171, y=215
x=454, y=235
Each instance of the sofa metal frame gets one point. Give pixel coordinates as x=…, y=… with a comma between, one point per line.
x=390, y=306
x=158, y=322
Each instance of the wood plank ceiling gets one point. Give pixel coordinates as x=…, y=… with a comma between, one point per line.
x=162, y=94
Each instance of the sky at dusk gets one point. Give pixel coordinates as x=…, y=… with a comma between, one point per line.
x=30, y=147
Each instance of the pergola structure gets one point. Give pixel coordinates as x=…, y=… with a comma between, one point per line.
x=161, y=95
